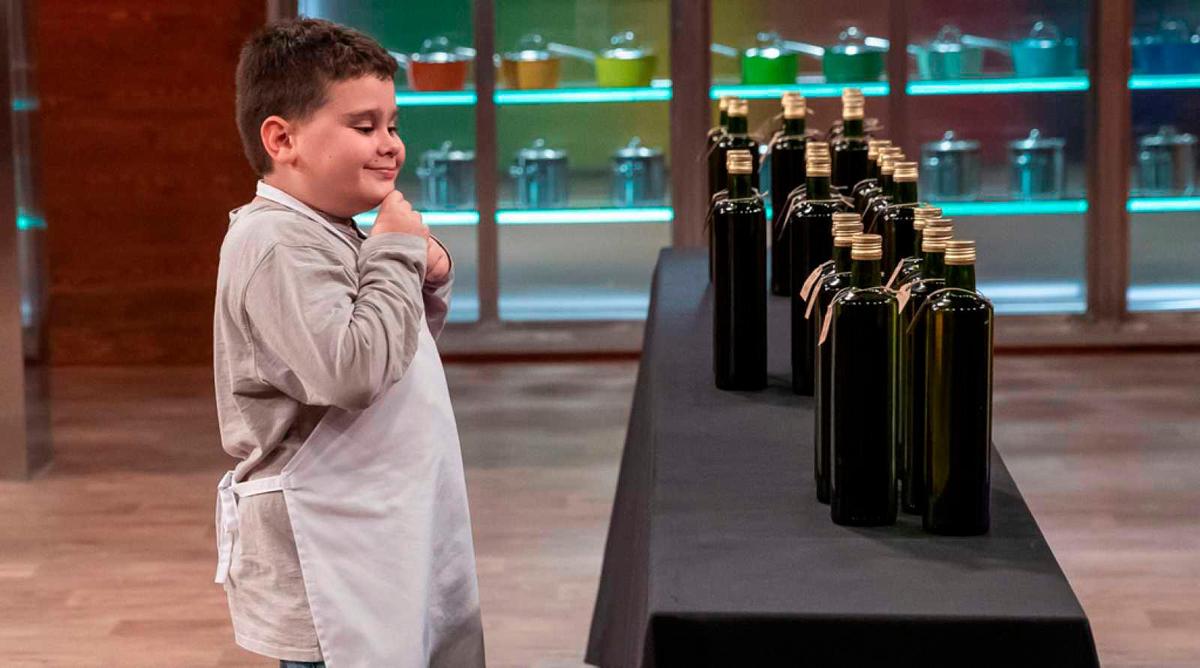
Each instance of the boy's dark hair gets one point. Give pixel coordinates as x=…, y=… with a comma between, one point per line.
x=285, y=70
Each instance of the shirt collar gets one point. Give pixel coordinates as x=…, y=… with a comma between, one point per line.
x=268, y=191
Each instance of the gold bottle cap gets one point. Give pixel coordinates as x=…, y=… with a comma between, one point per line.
x=887, y=164
x=846, y=217
x=739, y=161
x=934, y=237
x=723, y=102
x=873, y=146
x=817, y=168
x=906, y=172
x=960, y=252
x=843, y=235
x=927, y=212
x=852, y=104
x=867, y=247
x=738, y=107
x=794, y=105
x=817, y=147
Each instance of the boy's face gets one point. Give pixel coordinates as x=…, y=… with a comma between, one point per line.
x=345, y=157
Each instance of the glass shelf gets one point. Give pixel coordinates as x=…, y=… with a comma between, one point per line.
x=1164, y=81
x=657, y=214
x=658, y=91
x=814, y=89
x=454, y=98
x=1014, y=208
x=1035, y=297
x=433, y=218
x=999, y=86
x=1162, y=204
x=1164, y=297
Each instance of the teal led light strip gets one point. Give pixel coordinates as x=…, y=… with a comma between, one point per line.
x=995, y=86
x=661, y=92
x=24, y=104
x=1164, y=81
x=28, y=222
x=869, y=89
x=1163, y=204
x=1014, y=207
x=430, y=217
x=662, y=214
x=457, y=98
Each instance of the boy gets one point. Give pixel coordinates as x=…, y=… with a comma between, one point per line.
x=343, y=534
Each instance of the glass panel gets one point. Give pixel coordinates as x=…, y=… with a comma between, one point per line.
x=1165, y=205
x=580, y=225
x=436, y=96
x=992, y=75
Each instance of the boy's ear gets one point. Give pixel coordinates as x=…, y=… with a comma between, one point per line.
x=278, y=139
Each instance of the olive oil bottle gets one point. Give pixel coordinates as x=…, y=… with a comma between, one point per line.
x=864, y=338
x=740, y=281
x=958, y=412
x=897, y=224
x=788, y=151
x=845, y=227
x=880, y=198
x=812, y=243
x=910, y=266
x=912, y=365
x=722, y=125
x=850, y=149
x=737, y=136
x=865, y=189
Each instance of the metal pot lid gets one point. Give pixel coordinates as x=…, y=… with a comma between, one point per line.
x=951, y=144
x=539, y=151
x=853, y=41
x=530, y=47
x=625, y=46
x=635, y=150
x=770, y=46
x=439, y=49
x=1036, y=141
x=1167, y=135
x=1176, y=31
x=1044, y=35
x=447, y=153
x=949, y=40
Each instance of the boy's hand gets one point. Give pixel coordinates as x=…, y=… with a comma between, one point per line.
x=397, y=215
x=437, y=262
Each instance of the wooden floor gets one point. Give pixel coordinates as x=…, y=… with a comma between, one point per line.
x=107, y=560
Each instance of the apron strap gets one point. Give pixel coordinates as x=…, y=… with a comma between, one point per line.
x=228, y=492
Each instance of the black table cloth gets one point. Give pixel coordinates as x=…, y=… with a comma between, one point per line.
x=719, y=554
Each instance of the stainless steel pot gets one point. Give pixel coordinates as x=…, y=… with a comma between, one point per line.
x=1037, y=167
x=1167, y=163
x=541, y=177
x=447, y=178
x=950, y=169
x=639, y=175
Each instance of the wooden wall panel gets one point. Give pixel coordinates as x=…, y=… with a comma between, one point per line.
x=140, y=164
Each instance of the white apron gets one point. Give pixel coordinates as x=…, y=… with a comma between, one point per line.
x=378, y=505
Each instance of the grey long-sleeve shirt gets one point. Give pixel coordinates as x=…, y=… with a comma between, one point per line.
x=307, y=316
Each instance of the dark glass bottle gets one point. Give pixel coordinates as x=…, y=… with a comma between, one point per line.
x=722, y=125
x=878, y=202
x=740, y=282
x=910, y=266
x=912, y=372
x=811, y=224
x=864, y=337
x=958, y=414
x=787, y=172
x=832, y=282
x=869, y=187
x=849, y=151
x=897, y=223
x=736, y=137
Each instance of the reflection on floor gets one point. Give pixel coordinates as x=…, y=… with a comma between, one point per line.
x=107, y=560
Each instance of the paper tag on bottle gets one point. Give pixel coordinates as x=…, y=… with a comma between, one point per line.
x=903, y=295
x=825, y=325
x=816, y=295
x=806, y=289
x=895, y=274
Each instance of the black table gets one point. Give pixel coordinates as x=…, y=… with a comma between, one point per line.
x=719, y=554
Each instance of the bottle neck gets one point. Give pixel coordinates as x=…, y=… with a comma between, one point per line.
x=933, y=265
x=723, y=120
x=866, y=273
x=961, y=276
x=852, y=128
x=906, y=192
x=739, y=186
x=817, y=187
x=738, y=125
x=887, y=185
x=918, y=237
x=793, y=126
x=873, y=168
x=841, y=259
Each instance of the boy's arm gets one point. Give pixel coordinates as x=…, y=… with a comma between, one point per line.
x=437, y=295
x=326, y=337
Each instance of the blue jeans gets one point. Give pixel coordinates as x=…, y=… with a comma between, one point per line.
x=301, y=664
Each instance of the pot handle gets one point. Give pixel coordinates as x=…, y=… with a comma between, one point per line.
x=401, y=59
x=877, y=42
x=986, y=43
x=803, y=48
x=571, y=51
x=724, y=50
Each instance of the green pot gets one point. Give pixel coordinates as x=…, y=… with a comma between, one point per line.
x=769, y=65
x=612, y=72
x=853, y=58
